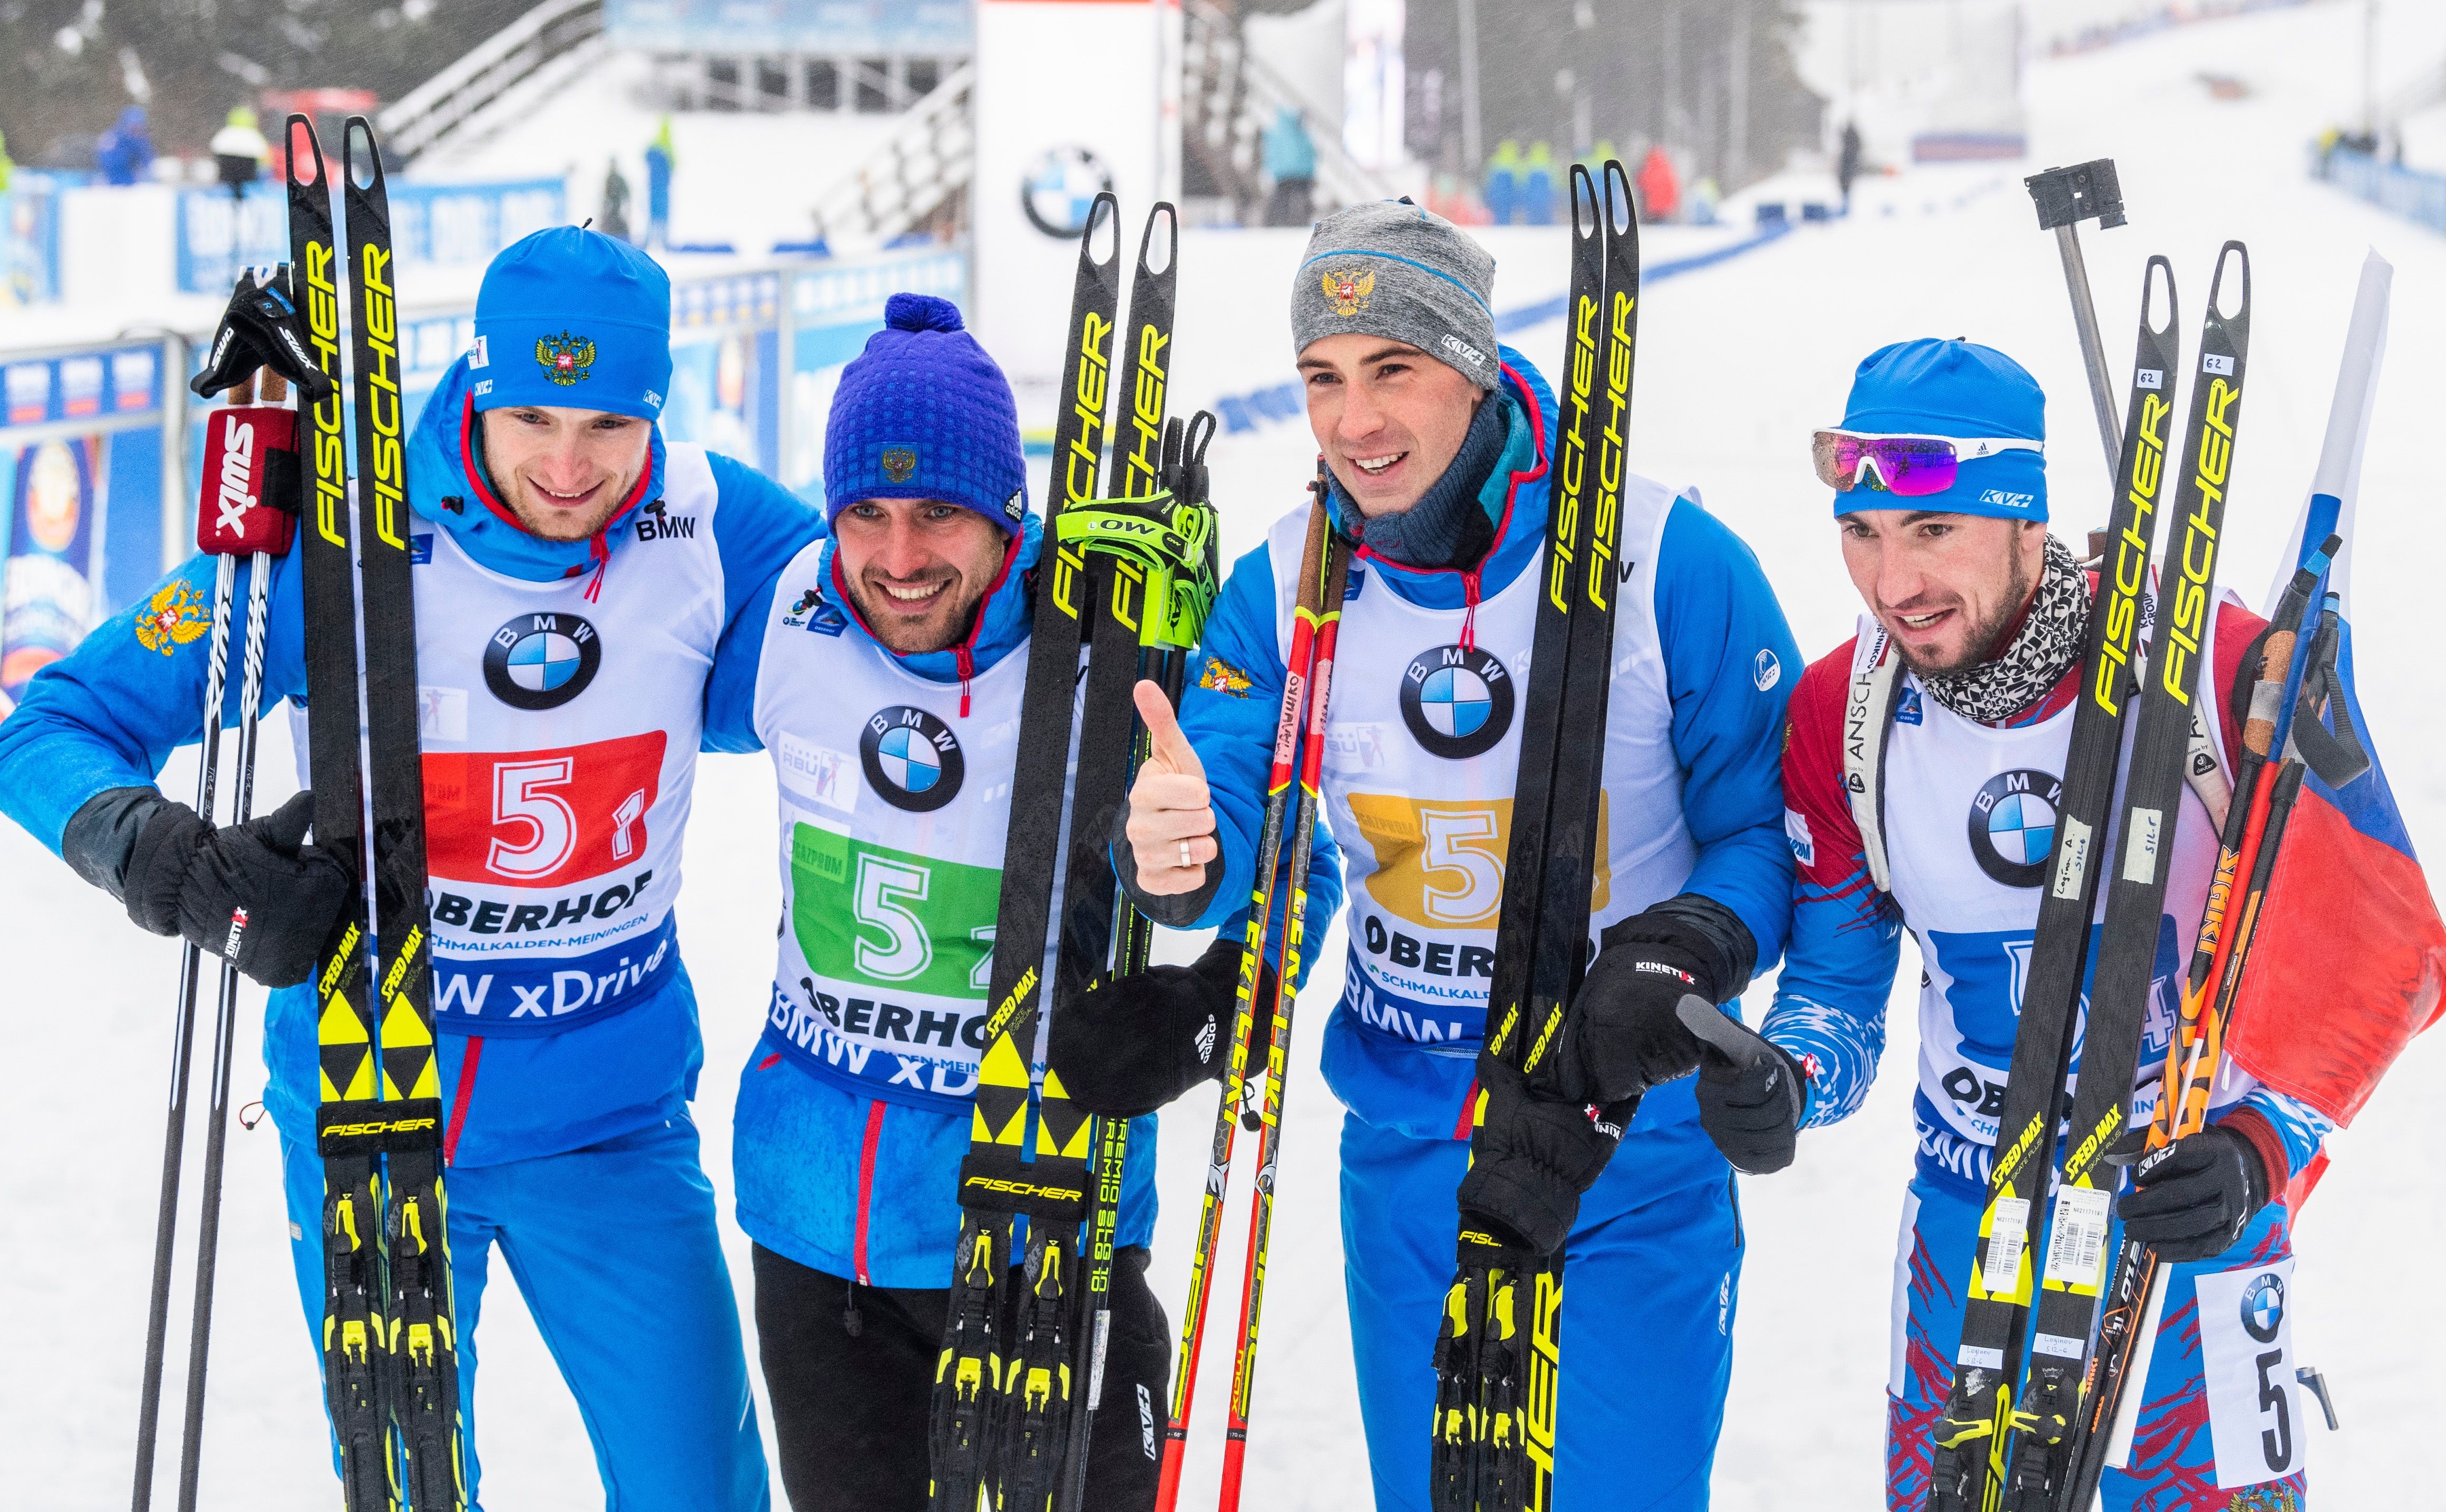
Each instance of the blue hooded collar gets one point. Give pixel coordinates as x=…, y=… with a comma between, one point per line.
x=1004, y=619
x=1514, y=498
x=446, y=486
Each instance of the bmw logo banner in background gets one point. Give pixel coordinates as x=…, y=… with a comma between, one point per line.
x=1061, y=188
x=1457, y=703
x=541, y=661
x=2013, y=825
x=911, y=759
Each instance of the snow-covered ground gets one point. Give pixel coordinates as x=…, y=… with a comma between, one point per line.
x=1738, y=363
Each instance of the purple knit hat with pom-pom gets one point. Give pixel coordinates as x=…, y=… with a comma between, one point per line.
x=924, y=413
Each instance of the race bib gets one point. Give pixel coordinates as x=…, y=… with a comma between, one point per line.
x=2247, y=1356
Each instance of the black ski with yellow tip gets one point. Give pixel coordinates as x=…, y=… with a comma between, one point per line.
x=1499, y=1354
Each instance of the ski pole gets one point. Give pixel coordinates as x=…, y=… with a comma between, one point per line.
x=2065, y=197
x=165, y=1225
x=208, y=1226
x=1298, y=667
x=1270, y=1108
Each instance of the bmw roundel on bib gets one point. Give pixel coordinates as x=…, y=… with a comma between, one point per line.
x=2263, y=1306
x=2013, y=825
x=1456, y=702
x=912, y=761
x=541, y=661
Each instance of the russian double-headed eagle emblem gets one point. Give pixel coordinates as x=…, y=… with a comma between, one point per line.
x=1347, y=290
x=901, y=463
x=174, y=616
x=564, y=358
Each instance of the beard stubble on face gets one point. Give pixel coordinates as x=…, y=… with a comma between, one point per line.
x=1987, y=639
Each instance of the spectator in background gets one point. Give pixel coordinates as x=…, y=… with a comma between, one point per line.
x=1704, y=198
x=124, y=154
x=1847, y=166
x=1660, y=187
x=240, y=151
x=1503, y=181
x=1538, y=185
x=613, y=220
x=1290, y=162
x=5, y=166
x=660, y=160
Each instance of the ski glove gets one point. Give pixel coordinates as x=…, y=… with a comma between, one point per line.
x=2193, y=1199
x=254, y=894
x=1750, y=1091
x=1622, y=1036
x=1530, y=1160
x=1132, y=1044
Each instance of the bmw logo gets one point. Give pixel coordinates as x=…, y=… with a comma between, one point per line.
x=1456, y=702
x=2263, y=1306
x=2013, y=825
x=1059, y=191
x=911, y=761
x=541, y=661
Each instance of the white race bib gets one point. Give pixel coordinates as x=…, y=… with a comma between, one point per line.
x=2247, y=1354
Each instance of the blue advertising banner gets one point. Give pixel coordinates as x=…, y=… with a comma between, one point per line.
x=430, y=224
x=917, y=28
x=30, y=239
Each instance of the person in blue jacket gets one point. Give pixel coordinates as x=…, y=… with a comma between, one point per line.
x=574, y=574
x=1440, y=444
x=886, y=669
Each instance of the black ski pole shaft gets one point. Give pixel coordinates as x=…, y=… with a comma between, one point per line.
x=2065, y=197
x=208, y=1223
x=166, y=1226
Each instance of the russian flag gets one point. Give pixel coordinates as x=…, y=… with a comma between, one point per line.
x=2347, y=954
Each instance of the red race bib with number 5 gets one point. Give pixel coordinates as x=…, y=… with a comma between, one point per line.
x=540, y=818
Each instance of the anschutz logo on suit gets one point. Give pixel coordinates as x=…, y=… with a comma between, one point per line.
x=1456, y=702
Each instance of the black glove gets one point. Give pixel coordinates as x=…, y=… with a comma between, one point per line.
x=1532, y=1159
x=1134, y=1043
x=1622, y=1035
x=261, y=328
x=2193, y=1199
x=253, y=893
x=1750, y=1091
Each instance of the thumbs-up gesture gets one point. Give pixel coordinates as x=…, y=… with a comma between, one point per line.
x=1171, y=815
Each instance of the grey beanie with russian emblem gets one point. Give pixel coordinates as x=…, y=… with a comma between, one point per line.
x=1391, y=269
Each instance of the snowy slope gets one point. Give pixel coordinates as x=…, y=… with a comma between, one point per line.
x=1738, y=363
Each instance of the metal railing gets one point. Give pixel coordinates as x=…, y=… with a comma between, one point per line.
x=2408, y=192
x=554, y=41
x=1227, y=98
x=930, y=157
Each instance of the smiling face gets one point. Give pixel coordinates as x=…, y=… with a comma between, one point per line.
x=564, y=473
x=1944, y=586
x=1388, y=417
x=917, y=568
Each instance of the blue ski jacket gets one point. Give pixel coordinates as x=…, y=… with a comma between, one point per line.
x=828, y=1172
x=110, y=714
x=1714, y=609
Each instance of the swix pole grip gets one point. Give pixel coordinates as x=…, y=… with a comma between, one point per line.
x=249, y=500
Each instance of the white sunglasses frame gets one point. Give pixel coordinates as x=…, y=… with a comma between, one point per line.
x=1988, y=446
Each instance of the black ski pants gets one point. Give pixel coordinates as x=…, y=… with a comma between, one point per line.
x=849, y=1409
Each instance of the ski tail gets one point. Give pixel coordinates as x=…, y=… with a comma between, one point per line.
x=1324, y=623
x=1298, y=669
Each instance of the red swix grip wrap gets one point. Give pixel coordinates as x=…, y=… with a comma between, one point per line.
x=248, y=502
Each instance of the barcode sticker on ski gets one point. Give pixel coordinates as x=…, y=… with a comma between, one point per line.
x=2078, y=1241
x=2005, y=1239
x=2140, y=845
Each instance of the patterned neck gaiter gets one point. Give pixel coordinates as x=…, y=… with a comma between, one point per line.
x=2042, y=651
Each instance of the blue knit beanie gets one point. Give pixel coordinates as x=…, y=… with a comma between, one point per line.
x=924, y=413
x=1955, y=388
x=574, y=318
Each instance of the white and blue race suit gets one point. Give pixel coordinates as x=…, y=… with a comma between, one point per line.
x=561, y=688
x=1420, y=761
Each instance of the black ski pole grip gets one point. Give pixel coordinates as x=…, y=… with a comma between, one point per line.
x=2085, y=191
